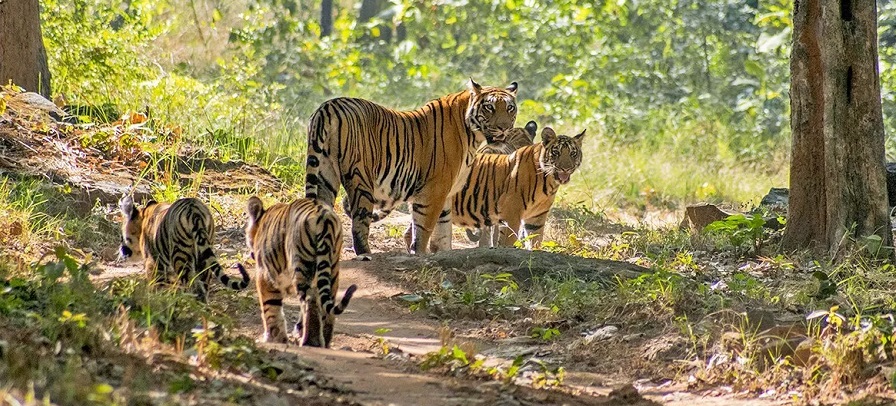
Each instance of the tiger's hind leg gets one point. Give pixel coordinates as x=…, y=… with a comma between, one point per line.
x=361, y=211
x=270, y=298
x=441, y=238
x=425, y=220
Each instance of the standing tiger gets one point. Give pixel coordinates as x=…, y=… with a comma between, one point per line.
x=516, y=138
x=176, y=243
x=383, y=157
x=296, y=248
x=517, y=190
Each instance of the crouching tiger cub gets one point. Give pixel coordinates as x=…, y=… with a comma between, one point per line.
x=517, y=190
x=176, y=243
x=296, y=248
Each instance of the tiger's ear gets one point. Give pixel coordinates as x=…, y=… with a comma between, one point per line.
x=475, y=88
x=512, y=88
x=254, y=208
x=531, y=128
x=126, y=205
x=548, y=135
x=579, y=137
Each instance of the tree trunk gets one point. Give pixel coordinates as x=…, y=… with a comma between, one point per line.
x=23, y=59
x=837, y=173
x=326, y=18
x=369, y=10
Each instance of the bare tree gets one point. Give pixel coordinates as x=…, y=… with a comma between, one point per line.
x=23, y=59
x=837, y=176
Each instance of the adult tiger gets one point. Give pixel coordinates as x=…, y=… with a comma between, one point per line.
x=517, y=190
x=175, y=241
x=383, y=157
x=296, y=248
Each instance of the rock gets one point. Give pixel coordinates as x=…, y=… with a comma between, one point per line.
x=600, y=334
x=776, y=199
x=697, y=217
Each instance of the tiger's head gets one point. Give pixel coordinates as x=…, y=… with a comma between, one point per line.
x=491, y=112
x=132, y=226
x=254, y=209
x=561, y=155
x=520, y=137
x=515, y=138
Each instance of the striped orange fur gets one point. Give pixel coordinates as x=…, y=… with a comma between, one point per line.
x=383, y=157
x=296, y=248
x=176, y=242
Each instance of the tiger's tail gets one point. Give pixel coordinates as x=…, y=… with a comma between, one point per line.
x=321, y=179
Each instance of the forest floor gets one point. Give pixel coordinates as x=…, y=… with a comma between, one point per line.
x=379, y=344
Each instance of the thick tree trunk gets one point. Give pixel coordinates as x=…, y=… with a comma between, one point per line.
x=837, y=173
x=23, y=59
x=326, y=18
x=369, y=10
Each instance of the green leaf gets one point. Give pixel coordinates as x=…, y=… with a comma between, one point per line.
x=754, y=69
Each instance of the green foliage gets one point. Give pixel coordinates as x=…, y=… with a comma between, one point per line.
x=544, y=333
x=740, y=229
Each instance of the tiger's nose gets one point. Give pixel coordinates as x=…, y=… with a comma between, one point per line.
x=126, y=252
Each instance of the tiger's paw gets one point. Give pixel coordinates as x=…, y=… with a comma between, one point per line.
x=363, y=257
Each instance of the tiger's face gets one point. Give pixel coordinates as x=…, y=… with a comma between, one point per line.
x=132, y=226
x=561, y=155
x=492, y=111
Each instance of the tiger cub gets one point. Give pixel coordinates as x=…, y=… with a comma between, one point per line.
x=175, y=241
x=517, y=190
x=515, y=138
x=296, y=248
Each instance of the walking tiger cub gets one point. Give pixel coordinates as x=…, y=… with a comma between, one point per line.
x=176, y=242
x=296, y=248
x=517, y=190
x=383, y=157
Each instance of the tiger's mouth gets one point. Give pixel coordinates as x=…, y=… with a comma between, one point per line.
x=562, y=177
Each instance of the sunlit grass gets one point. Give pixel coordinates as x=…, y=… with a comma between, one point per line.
x=623, y=176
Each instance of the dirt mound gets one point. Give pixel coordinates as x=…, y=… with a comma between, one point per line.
x=522, y=264
x=103, y=161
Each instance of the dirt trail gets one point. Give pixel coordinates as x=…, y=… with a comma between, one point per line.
x=355, y=363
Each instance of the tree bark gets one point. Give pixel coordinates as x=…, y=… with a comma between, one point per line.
x=23, y=59
x=837, y=169
x=326, y=18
